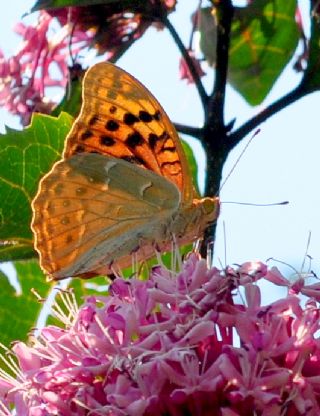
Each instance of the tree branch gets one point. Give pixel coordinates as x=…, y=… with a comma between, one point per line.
x=254, y=122
x=224, y=12
x=191, y=131
x=120, y=50
x=215, y=132
x=201, y=91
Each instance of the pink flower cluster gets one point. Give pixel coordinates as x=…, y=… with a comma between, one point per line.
x=40, y=63
x=196, y=343
x=56, y=40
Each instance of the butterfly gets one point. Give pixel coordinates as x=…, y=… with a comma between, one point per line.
x=123, y=186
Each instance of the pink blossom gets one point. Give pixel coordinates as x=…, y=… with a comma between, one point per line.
x=185, y=70
x=176, y=344
x=40, y=63
x=60, y=37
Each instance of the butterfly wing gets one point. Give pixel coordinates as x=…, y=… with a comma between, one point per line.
x=92, y=210
x=121, y=118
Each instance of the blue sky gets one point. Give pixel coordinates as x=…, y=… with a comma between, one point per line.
x=281, y=163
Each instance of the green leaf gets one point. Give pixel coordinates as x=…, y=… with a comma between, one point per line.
x=25, y=157
x=19, y=311
x=312, y=73
x=191, y=162
x=208, y=34
x=264, y=36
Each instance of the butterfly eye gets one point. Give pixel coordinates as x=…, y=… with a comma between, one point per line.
x=210, y=206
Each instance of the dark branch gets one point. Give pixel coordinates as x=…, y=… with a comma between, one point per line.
x=215, y=131
x=191, y=131
x=224, y=14
x=202, y=92
x=120, y=50
x=254, y=122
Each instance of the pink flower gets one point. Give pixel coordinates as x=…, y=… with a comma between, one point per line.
x=57, y=39
x=185, y=70
x=40, y=64
x=175, y=344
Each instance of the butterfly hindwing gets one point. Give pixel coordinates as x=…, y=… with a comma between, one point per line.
x=91, y=209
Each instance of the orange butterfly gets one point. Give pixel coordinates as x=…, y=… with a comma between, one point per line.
x=122, y=187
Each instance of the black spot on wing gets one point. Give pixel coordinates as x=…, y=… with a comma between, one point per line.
x=157, y=115
x=136, y=160
x=152, y=139
x=86, y=135
x=169, y=149
x=79, y=148
x=164, y=136
x=112, y=125
x=93, y=120
x=134, y=139
x=107, y=141
x=145, y=116
x=68, y=239
x=129, y=119
x=65, y=220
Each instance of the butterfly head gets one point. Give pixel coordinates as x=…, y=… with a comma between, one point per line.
x=206, y=211
x=210, y=208
x=192, y=220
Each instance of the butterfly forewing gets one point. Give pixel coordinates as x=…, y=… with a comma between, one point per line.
x=121, y=118
x=91, y=209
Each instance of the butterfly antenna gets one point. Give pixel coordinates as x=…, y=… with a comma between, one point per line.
x=238, y=159
x=271, y=204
